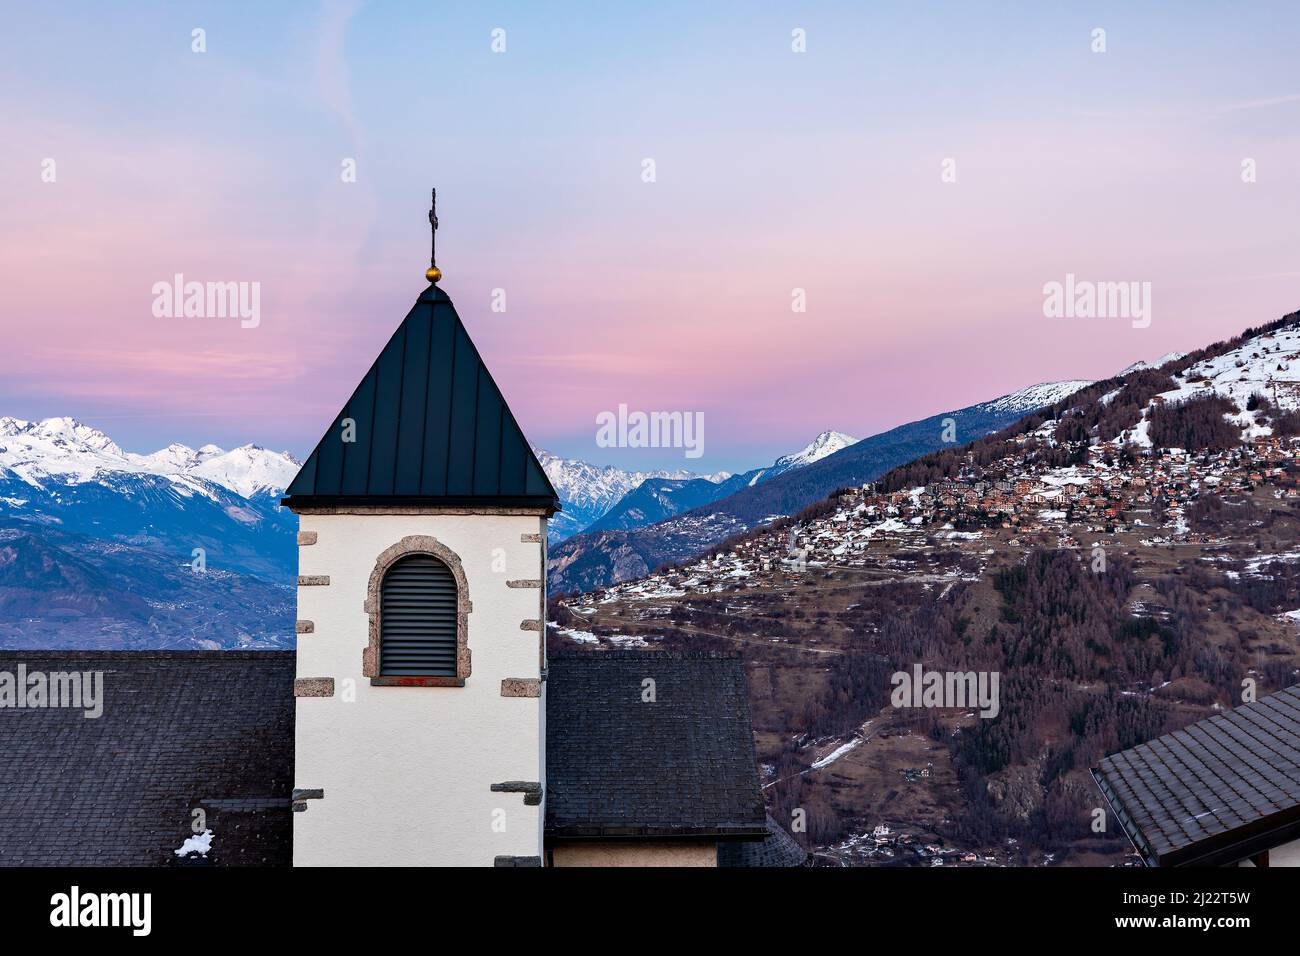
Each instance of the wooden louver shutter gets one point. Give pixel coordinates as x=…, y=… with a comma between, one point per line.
x=417, y=619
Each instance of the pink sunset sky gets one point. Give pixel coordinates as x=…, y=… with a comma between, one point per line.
x=775, y=170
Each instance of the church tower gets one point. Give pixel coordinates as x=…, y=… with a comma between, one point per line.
x=421, y=600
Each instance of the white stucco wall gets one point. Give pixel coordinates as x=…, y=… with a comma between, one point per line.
x=406, y=770
x=1288, y=854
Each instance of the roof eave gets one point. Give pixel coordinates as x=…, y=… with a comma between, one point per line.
x=380, y=503
x=1222, y=849
x=1240, y=843
x=723, y=831
x=1131, y=830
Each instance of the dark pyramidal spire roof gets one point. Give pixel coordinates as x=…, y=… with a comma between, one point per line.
x=430, y=427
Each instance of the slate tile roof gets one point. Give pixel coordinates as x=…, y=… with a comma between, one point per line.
x=430, y=424
x=179, y=730
x=779, y=849
x=1214, y=792
x=618, y=765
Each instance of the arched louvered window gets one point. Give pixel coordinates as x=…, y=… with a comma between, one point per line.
x=417, y=619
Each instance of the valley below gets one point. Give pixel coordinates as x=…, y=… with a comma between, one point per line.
x=1162, y=638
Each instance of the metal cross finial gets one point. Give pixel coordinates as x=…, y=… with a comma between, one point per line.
x=434, y=273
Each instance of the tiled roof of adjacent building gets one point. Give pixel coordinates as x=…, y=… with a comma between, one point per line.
x=1215, y=792
x=179, y=731
x=646, y=744
x=429, y=426
x=779, y=849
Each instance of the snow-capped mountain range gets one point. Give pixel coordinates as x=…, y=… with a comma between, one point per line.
x=58, y=453
x=596, y=496
x=1263, y=361
x=614, y=549
x=64, y=474
x=180, y=548
x=589, y=491
x=657, y=499
x=97, y=543
x=66, y=451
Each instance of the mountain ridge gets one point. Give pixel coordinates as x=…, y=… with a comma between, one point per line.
x=605, y=496
x=181, y=547
x=587, y=561
x=656, y=500
x=588, y=491
x=73, y=452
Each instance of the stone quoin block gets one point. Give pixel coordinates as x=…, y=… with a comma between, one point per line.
x=313, y=580
x=524, y=584
x=531, y=790
x=521, y=687
x=306, y=538
x=313, y=687
x=305, y=627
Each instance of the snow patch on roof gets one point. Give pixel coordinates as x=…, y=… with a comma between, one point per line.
x=200, y=844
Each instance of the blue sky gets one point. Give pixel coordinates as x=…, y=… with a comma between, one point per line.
x=775, y=170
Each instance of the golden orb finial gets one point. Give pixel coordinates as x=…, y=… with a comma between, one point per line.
x=433, y=274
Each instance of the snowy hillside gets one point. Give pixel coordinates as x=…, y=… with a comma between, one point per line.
x=1163, y=360
x=1265, y=365
x=1268, y=364
x=1035, y=396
